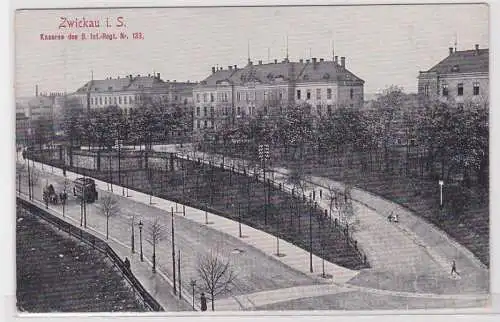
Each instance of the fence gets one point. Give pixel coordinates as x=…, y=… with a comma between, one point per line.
x=97, y=244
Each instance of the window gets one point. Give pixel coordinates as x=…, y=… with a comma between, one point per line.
x=205, y=124
x=238, y=96
x=212, y=111
x=212, y=97
x=298, y=94
x=125, y=100
x=476, y=88
x=318, y=108
x=176, y=97
x=265, y=109
x=197, y=124
x=100, y=100
x=197, y=111
x=318, y=93
x=460, y=89
x=426, y=90
x=329, y=94
x=106, y=100
x=119, y=100
x=238, y=110
x=445, y=90
x=308, y=94
x=114, y=98
x=205, y=111
x=351, y=93
x=204, y=97
x=281, y=96
x=198, y=97
x=329, y=109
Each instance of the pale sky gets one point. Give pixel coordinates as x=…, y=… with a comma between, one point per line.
x=383, y=45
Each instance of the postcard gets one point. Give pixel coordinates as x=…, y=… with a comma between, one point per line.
x=264, y=159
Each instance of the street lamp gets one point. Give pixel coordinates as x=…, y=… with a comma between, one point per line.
x=133, y=237
x=140, y=238
x=441, y=183
x=193, y=285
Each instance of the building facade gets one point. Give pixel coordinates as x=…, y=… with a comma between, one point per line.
x=129, y=91
x=462, y=77
x=269, y=88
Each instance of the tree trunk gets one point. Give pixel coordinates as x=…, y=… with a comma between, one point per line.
x=213, y=301
x=107, y=226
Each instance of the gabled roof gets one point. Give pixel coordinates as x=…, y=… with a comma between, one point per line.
x=284, y=71
x=467, y=61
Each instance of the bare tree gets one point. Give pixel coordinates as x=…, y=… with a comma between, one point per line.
x=109, y=208
x=216, y=274
x=156, y=234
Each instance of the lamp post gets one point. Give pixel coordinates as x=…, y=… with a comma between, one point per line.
x=193, y=285
x=441, y=183
x=140, y=239
x=311, y=240
x=133, y=237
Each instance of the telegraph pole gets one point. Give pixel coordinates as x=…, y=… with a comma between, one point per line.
x=173, y=251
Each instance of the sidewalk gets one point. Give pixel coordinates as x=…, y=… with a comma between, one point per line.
x=413, y=246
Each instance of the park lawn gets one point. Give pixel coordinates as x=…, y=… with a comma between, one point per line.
x=57, y=273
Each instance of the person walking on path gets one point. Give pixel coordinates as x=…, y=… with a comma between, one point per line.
x=454, y=269
x=203, y=302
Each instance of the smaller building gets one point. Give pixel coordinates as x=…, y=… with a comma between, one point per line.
x=462, y=77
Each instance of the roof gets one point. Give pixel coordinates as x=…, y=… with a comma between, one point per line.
x=467, y=61
x=129, y=83
x=284, y=71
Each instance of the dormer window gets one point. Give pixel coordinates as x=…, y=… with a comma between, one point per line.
x=326, y=76
x=455, y=68
x=110, y=88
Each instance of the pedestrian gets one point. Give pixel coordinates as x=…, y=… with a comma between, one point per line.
x=454, y=269
x=127, y=263
x=320, y=194
x=64, y=171
x=203, y=302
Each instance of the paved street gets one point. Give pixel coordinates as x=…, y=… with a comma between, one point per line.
x=283, y=280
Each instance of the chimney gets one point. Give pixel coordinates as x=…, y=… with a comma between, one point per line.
x=451, y=50
x=230, y=67
x=275, y=61
x=158, y=75
x=130, y=76
x=321, y=60
x=149, y=75
x=36, y=90
x=307, y=61
x=235, y=67
x=260, y=62
x=213, y=70
x=301, y=61
x=314, y=60
x=477, y=48
x=342, y=62
x=336, y=60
